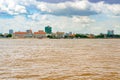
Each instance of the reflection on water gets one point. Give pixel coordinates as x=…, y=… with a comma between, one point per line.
x=32, y=59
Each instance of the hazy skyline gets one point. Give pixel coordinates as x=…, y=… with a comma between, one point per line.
x=81, y=16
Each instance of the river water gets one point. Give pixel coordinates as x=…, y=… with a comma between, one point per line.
x=62, y=59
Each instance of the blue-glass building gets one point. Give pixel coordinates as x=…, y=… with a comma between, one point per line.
x=48, y=30
x=11, y=31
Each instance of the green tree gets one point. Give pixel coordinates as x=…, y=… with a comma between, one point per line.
x=1, y=35
x=9, y=35
x=81, y=36
x=99, y=36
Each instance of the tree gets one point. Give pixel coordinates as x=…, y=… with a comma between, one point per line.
x=81, y=36
x=100, y=36
x=49, y=36
x=1, y=35
x=9, y=35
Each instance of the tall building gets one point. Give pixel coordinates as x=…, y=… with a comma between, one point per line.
x=110, y=32
x=10, y=31
x=48, y=29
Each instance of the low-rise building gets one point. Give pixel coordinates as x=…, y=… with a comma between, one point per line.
x=29, y=34
x=40, y=34
x=60, y=34
x=90, y=36
x=19, y=34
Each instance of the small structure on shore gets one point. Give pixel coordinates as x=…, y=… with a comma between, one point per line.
x=40, y=34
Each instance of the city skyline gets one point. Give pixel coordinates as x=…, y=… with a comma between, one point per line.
x=78, y=16
x=48, y=30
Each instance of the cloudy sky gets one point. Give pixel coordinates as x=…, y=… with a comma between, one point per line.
x=78, y=16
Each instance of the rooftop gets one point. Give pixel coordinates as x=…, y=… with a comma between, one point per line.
x=40, y=32
x=20, y=32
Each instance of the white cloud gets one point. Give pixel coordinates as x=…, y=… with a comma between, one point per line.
x=37, y=17
x=58, y=23
x=78, y=7
x=108, y=9
x=83, y=19
x=11, y=7
x=34, y=16
x=80, y=24
x=115, y=9
x=20, y=23
x=67, y=8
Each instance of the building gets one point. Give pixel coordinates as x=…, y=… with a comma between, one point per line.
x=29, y=31
x=110, y=32
x=40, y=34
x=29, y=34
x=69, y=35
x=91, y=36
x=60, y=34
x=48, y=30
x=19, y=34
x=5, y=34
x=53, y=34
x=10, y=31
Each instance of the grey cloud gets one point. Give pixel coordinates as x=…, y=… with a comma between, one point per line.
x=107, y=1
x=55, y=1
x=71, y=12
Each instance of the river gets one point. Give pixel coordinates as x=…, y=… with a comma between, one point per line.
x=59, y=59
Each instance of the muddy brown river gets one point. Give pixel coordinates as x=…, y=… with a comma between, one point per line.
x=62, y=59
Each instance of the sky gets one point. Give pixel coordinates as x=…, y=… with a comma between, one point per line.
x=77, y=16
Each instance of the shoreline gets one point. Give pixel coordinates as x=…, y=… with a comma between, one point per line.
x=60, y=38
